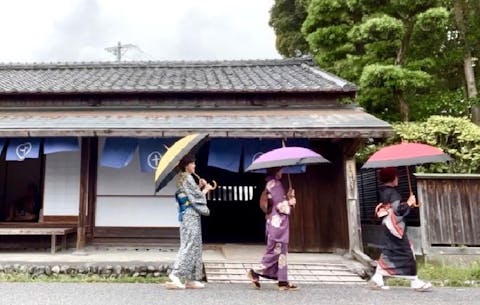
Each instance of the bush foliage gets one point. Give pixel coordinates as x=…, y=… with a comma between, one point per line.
x=458, y=137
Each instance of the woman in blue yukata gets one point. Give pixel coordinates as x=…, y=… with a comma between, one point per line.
x=274, y=262
x=192, y=202
x=397, y=258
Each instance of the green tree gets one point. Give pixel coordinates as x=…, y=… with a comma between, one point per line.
x=411, y=58
x=468, y=34
x=286, y=18
x=388, y=47
x=456, y=136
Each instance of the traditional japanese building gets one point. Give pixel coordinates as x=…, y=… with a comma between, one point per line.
x=88, y=136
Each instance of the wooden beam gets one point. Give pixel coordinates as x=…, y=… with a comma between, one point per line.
x=351, y=146
x=60, y=218
x=437, y=250
x=320, y=133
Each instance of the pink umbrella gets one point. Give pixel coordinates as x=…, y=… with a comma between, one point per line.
x=405, y=154
x=286, y=156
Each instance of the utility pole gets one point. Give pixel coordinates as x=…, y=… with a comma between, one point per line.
x=120, y=49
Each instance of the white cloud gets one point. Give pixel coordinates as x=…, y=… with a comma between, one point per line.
x=80, y=30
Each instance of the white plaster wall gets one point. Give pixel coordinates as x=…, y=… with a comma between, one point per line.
x=136, y=212
x=125, y=197
x=62, y=184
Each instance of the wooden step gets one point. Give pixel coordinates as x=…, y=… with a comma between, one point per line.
x=235, y=272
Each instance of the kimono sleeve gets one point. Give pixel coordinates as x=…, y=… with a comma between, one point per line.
x=399, y=208
x=193, y=192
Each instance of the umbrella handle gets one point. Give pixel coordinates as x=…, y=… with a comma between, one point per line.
x=214, y=183
x=417, y=203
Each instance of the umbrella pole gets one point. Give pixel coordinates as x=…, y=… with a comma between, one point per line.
x=409, y=182
x=410, y=187
x=289, y=179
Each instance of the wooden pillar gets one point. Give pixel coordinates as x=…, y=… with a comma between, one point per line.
x=353, y=209
x=84, y=193
x=92, y=189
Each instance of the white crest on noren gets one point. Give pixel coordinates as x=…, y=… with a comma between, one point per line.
x=23, y=150
x=153, y=158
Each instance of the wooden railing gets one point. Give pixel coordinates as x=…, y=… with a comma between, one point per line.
x=232, y=193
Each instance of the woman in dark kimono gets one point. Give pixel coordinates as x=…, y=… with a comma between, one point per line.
x=192, y=204
x=274, y=262
x=397, y=258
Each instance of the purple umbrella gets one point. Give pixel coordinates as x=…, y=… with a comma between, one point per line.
x=286, y=156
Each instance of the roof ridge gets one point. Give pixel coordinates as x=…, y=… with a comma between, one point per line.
x=157, y=64
x=343, y=83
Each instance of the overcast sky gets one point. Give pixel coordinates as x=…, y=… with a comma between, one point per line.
x=80, y=30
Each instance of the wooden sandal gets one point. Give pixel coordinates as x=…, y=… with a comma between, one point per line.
x=254, y=278
x=288, y=287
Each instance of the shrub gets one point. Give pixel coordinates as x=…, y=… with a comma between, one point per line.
x=458, y=137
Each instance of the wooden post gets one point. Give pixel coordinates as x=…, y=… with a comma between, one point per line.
x=92, y=188
x=84, y=189
x=353, y=210
x=423, y=219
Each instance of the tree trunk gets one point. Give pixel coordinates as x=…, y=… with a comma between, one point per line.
x=402, y=104
x=406, y=39
x=472, y=92
x=459, y=8
x=469, y=75
x=401, y=54
x=476, y=114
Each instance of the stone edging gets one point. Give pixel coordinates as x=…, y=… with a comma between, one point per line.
x=107, y=270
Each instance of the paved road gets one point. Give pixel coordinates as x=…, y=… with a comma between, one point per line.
x=224, y=294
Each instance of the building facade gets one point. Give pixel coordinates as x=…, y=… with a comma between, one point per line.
x=88, y=136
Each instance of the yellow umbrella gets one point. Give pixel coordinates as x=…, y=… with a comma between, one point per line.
x=167, y=166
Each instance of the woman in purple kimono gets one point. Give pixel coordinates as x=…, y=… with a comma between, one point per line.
x=274, y=262
x=397, y=258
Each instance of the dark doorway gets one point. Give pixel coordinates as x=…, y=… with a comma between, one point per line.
x=235, y=215
x=20, y=188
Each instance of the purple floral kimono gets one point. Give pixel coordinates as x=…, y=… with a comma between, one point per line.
x=274, y=261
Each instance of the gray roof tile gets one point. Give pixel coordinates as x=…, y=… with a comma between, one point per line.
x=281, y=75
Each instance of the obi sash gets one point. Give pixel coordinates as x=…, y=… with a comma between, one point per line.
x=393, y=223
x=183, y=204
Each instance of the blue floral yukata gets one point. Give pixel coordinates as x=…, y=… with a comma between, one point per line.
x=192, y=204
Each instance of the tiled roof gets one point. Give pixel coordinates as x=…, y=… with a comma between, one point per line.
x=281, y=75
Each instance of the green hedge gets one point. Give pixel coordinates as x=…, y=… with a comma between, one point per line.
x=458, y=137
